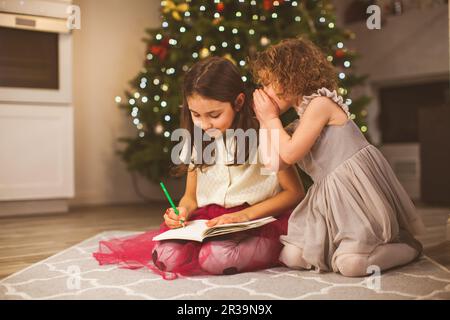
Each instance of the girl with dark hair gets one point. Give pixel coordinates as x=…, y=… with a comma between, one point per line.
x=216, y=100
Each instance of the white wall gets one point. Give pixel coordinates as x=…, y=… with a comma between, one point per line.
x=108, y=52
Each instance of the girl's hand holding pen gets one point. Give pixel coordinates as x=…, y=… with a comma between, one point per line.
x=173, y=220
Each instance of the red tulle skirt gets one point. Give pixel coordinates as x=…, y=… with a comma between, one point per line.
x=243, y=251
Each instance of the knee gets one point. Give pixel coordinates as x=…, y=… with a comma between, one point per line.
x=352, y=265
x=219, y=258
x=170, y=255
x=292, y=257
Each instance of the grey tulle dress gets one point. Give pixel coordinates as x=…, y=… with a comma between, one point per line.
x=356, y=202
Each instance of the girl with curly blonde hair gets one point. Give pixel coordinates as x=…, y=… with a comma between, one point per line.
x=356, y=214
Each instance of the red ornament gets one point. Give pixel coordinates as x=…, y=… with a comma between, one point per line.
x=268, y=4
x=339, y=53
x=220, y=7
x=160, y=50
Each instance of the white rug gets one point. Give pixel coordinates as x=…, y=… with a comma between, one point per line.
x=75, y=274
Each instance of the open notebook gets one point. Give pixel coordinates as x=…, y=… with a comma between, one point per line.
x=197, y=230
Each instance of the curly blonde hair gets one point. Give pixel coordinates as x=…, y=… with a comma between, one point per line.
x=295, y=67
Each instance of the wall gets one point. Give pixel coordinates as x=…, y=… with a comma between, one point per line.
x=108, y=52
x=413, y=47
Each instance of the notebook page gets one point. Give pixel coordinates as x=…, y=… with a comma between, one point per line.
x=192, y=231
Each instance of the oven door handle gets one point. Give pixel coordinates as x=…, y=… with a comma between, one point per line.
x=36, y=23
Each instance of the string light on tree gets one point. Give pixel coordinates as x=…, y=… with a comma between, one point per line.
x=189, y=31
x=204, y=53
x=265, y=41
x=159, y=129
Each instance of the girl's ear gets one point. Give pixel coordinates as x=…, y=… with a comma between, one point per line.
x=239, y=102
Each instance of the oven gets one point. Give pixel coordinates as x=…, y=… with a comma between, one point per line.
x=36, y=111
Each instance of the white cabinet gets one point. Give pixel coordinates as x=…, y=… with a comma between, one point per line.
x=36, y=152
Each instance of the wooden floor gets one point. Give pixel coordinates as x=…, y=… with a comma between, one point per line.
x=29, y=239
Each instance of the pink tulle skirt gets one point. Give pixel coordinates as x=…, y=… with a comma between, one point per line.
x=228, y=254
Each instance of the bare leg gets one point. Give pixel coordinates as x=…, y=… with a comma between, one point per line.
x=384, y=256
x=292, y=257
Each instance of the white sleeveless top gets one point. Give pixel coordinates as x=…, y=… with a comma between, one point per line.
x=233, y=185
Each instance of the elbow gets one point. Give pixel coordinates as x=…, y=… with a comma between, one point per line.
x=287, y=159
x=298, y=195
x=301, y=195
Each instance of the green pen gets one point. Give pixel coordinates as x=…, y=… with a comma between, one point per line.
x=170, y=200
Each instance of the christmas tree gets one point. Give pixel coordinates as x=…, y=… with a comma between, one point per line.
x=235, y=29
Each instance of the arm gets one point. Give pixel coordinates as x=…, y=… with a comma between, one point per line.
x=314, y=119
x=189, y=199
x=292, y=193
x=267, y=150
x=188, y=203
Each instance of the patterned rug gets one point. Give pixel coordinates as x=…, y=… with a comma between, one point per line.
x=74, y=274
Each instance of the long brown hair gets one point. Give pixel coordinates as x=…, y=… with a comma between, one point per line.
x=216, y=78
